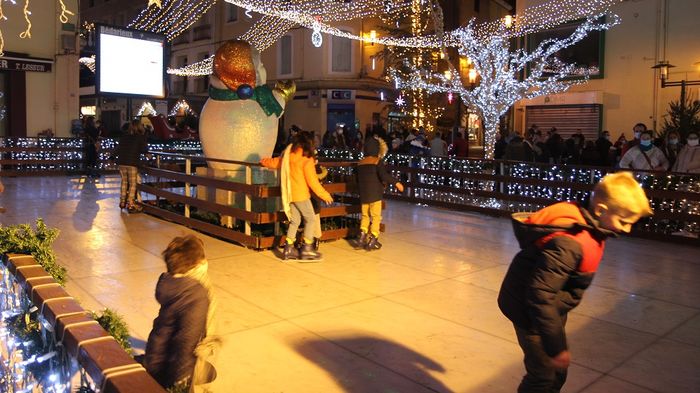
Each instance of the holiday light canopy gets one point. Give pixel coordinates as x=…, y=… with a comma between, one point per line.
x=281, y=15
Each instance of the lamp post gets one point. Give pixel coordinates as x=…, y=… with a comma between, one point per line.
x=663, y=67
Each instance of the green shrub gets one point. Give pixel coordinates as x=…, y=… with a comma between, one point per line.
x=114, y=324
x=23, y=239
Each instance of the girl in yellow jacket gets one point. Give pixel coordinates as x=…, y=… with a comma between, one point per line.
x=298, y=178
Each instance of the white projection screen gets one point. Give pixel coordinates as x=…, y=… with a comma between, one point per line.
x=129, y=62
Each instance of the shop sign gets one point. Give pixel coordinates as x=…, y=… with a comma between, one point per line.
x=25, y=64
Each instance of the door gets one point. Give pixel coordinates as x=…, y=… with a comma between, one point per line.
x=111, y=121
x=341, y=114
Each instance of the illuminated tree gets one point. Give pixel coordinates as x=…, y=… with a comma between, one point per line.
x=505, y=75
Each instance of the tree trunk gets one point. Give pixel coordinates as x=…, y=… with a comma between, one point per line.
x=491, y=128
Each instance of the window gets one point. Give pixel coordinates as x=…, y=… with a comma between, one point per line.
x=341, y=54
x=202, y=82
x=285, y=55
x=231, y=13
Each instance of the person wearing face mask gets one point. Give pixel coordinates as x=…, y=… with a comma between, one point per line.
x=644, y=156
x=637, y=131
x=671, y=146
x=688, y=160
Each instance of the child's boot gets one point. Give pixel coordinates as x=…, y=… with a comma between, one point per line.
x=308, y=254
x=373, y=243
x=316, y=243
x=361, y=241
x=290, y=252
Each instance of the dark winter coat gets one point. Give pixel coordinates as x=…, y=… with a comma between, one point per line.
x=372, y=176
x=179, y=327
x=130, y=149
x=561, y=247
x=518, y=150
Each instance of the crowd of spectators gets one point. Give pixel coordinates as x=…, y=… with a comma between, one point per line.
x=670, y=152
x=674, y=151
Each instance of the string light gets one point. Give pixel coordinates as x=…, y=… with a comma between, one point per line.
x=2, y=39
x=64, y=13
x=146, y=109
x=27, y=33
x=172, y=18
x=183, y=106
x=500, y=70
x=281, y=15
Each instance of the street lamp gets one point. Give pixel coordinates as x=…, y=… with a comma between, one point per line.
x=663, y=67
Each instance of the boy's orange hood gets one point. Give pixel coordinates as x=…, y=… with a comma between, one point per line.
x=559, y=214
x=560, y=217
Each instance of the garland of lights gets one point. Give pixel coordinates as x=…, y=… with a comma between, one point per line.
x=146, y=107
x=419, y=103
x=499, y=70
x=181, y=105
x=27, y=33
x=172, y=17
x=305, y=13
x=267, y=31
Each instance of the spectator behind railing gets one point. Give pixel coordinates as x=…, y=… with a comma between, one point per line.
x=518, y=150
x=671, y=146
x=603, y=147
x=619, y=147
x=644, y=156
x=688, y=160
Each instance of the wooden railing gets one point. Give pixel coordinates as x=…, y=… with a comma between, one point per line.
x=65, y=156
x=76, y=336
x=246, y=211
x=500, y=187
x=488, y=186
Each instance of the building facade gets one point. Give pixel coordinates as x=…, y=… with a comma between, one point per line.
x=629, y=89
x=341, y=82
x=38, y=73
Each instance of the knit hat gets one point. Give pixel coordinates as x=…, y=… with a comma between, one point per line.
x=371, y=147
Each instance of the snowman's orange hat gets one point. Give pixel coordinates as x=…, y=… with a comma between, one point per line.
x=233, y=64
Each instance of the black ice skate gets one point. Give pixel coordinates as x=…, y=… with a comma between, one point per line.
x=308, y=254
x=373, y=244
x=361, y=241
x=290, y=253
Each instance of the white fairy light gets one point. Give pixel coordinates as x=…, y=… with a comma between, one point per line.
x=499, y=70
x=317, y=38
x=281, y=15
x=400, y=101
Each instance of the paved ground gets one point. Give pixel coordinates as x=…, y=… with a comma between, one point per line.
x=419, y=315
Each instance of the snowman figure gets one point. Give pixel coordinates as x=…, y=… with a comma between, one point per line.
x=239, y=120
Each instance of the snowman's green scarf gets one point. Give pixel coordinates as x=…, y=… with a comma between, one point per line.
x=261, y=94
